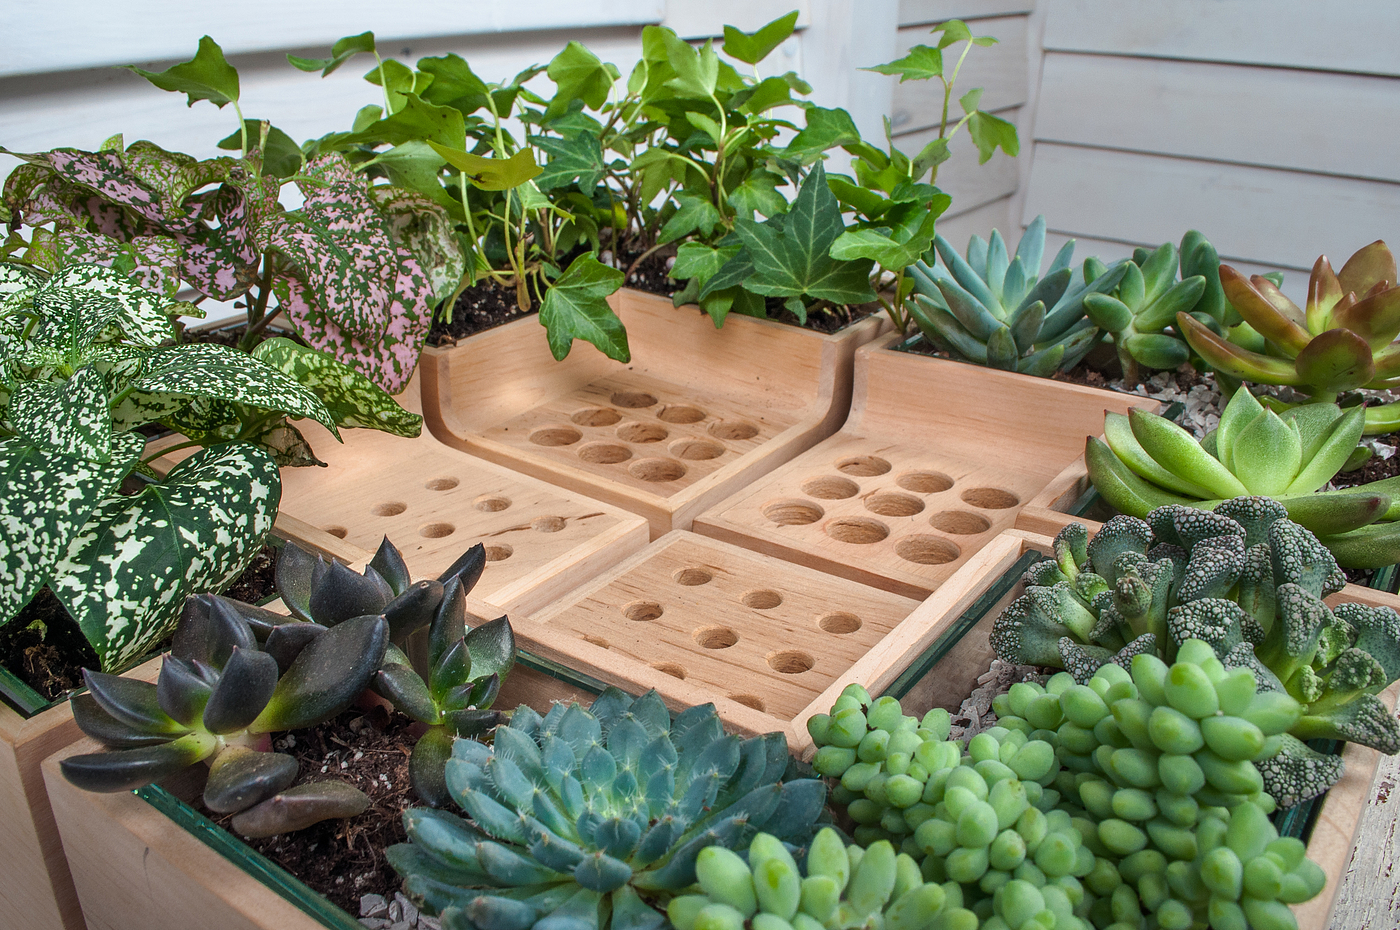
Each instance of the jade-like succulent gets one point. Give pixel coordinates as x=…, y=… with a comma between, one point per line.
x=1244, y=579
x=586, y=818
x=1149, y=462
x=991, y=309
x=1344, y=339
x=217, y=696
x=453, y=682
x=1150, y=296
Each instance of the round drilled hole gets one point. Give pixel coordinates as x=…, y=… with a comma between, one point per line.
x=830, y=488
x=863, y=466
x=762, y=600
x=555, y=436
x=892, y=504
x=696, y=450
x=499, y=553
x=839, y=623
x=926, y=550
x=641, y=432
x=596, y=640
x=656, y=469
x=548, y=524
x=690, y=577
x=489, y=503
x=441, y=484
x=680, y=413
x=990, y=498
x=716, y=637
x=960, y=522
x=436, y=530
x=642, y=611
x=339, y=532
x=793, y=512
x=670, y=668
x=734, y=430
x=790, y=662
x=924, y=482
x=749, y=700
x=388, y=509
x=596, y=416
x=633, y=399
x=604, y=453
x=857, y=530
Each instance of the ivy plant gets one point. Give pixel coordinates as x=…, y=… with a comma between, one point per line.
x=84, y=362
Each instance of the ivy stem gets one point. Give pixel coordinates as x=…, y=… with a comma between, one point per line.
x=242, y=127
x=637, y=261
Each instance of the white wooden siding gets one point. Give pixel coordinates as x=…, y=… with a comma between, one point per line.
x=1000, y=70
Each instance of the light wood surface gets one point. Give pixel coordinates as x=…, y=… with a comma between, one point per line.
x=935, y=460
x=37, y=884
x=697, y=414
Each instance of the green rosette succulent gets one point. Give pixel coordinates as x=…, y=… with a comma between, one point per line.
x=1145, y=461
x=589, y=818
x=1344, y=339
x=992, y=309
x=1149, y=298
x=1244, y=579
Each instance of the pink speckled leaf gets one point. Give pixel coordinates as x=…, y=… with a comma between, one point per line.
x=153, y=262
x=174, y=175
x=428, y=232
x=105, y=174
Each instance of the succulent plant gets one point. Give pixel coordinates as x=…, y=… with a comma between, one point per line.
x=995, y=311
x=586, y=818
x=456, y=678
x=1149, y=462
x=1150, y=296
x=1244, y=579
x=1345, y=338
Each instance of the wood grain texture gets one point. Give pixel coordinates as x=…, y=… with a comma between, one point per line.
x=698, y=413
x=1289, y=33
x=912, y=487
x=1369, y=894
x=970, y=184
x=1250, y=213
x=1000, y=70
x=928, y=12
x=1267, y=117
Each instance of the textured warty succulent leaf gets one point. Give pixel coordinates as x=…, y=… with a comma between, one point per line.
x=126, y=574
x=65, y=417
x=351, y=399
x=47, y=500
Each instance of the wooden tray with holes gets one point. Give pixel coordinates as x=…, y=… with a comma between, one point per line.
x=697, y=414
x=936, y=458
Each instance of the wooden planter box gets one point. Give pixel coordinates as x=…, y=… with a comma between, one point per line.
x=37, y=885
x=697, y=414
x=936, y=458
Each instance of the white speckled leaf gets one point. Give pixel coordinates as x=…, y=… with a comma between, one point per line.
x=353, y=400
x=224, y=373
x=153, y=261
x=65, y=417
x=126, y=574
x=48, y=499
x=18, y=279
x=81, y=301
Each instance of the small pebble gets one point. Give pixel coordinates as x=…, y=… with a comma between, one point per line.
x=428, y=923
x=410, y=913
x=373, y=905
x=401, y=925
x=374, y=923
x=395, y=911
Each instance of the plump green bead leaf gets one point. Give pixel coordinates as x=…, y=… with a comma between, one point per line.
x=575, y=307
x=206, y=76
x=350, y=399
x=1157, y=350
x=125, y=769
x=334, y=668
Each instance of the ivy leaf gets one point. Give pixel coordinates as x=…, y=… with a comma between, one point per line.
x=765, y=95
x=47, y=500
x=990, y=133
x=342, y=51
x=491, y=174
x=897, y=246
x=206, y=76
x=753, y=47
x=65, y=417
x=281, y=156
x=352, y=400
x=758, y=194
x=125, y=575
x=826, y=129
x=953, y=31
x=580, y=75
x=732, y=274
x=792, y=259
x=700, y=261
x=863, y=200
x=577, y=159
x=416, y=120
x=414, y=166
x=695, y=215
x=576, y=307
x=454, y=83
x=697, y=70
x=920, y=64
x=930, y=156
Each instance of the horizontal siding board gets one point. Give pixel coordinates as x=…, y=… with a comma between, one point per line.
x=1000, y=70
x=928, y=12
x=969, y=183
x=1282, y=218
x=1262, y=116
x=92, y=33
x=1357, y=36
x=693, y=20
x=958, y=226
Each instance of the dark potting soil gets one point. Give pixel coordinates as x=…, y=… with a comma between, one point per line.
x=343, y=859
x=44, y=647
